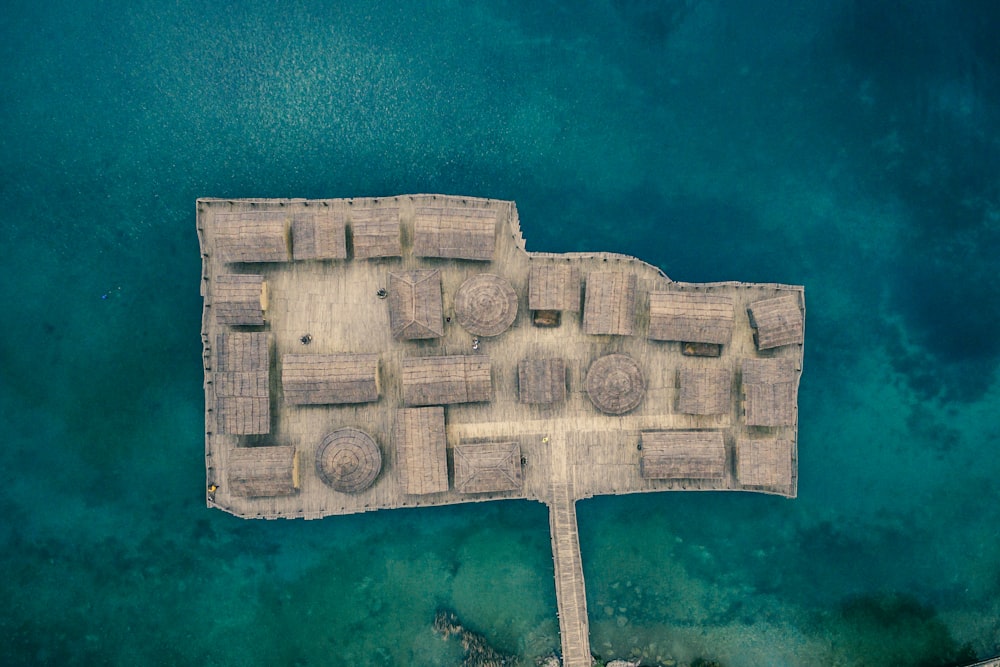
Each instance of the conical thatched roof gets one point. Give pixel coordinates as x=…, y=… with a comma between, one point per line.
x=485, y=305
x=348, y=460
x=615, y=384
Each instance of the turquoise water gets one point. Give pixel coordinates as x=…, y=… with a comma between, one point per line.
x=849, y=147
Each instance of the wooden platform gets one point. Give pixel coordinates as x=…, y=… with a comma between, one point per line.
x=340, y=305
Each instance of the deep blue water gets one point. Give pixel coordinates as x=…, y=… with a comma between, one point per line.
x=853, y=147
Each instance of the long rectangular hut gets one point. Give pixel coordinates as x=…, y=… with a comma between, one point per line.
x=609, y=304
x=765, y=462
x=263, y=472
x=682, y=455
x=704, y=391
x=691, y=317
x=776, y=322
x=444, y=380
x=329, y=379
x=485, y=467
x=454, y=232
x=319, y=234
x=240, y=299
x=240, y=382
x=421, y=450
x=375, y=232
x=252, y=236
x=415, y=306
x=769, y=389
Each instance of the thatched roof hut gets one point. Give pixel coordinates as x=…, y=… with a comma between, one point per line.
x=454, y=232
x=375, y=233
x=421, y=450
x=319, y=235
x=252, y=236
x=485, y=305
x=705, y=391
x=348, y=460
x=554, y=286
x=769, y=388
x=777, y=321
x=615, y=384
x=446, y=379
x=764, y=462
x=682, y=455
x=486, y=467
x=329, y=379
x=263, y=472
x=691, y=317
x=609, y=306
x=415, y=308
x=541, y=380
x=240, y=300
x=240, y=381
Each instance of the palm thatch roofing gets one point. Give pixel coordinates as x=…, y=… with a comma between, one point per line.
x=777, y=321
x=615, y=384
x=319, y=234
x=329, y=379
x=682, y=455
x=415, y=308
x=769, y=388
x=704, y=391
x=263, y=472
x=252, y=236
x=454, y=232
x=764, y=462
x=240, y=382
x=375, y=233
x=421, y=450
x=240, y=300
x=554, y=286
x=609, y=306
x=348, y=460
x=485, y=305
x=445, y=380
x=487, y=467
x=691, y=317
x=541, y=380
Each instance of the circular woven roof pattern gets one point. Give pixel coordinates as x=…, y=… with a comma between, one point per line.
x=348, y=460
x=615, y=384
x=485, y=305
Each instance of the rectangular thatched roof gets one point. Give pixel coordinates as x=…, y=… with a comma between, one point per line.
x=541, y=380
x=691, y=317
x=447, y=379
x=609, y=307
x=319, y=234
x=329, y=379
x=375, y=233
x=705, y=391
x=764, y=462
x=682, y=455
x=239, y=300
x=240, y=382
x=487, y=467
x=769, y=389
x=263, y=472
x=554, y=286
x=252, y=236
x=421, y=450
x=777, y=321
x=415, y=306
x=454, y=232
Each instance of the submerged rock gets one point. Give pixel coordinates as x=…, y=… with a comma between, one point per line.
x=478, y=652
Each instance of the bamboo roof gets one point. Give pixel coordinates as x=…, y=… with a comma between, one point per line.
x=329, y=379
x=443, y=380
x=415, y=307
x=263, y=472
x=609, y=305
x=486, y=467
x=240, y=299
x=691, y=317
x=375, y=232
x=485, y=305
x=705, y=391
x=421, y=452
x=252, y=236
x=454, y=232
x=541, y=380
x=554, y=286
x=319, y=234
x=682, y=455
x=769, y=389
x=615, y=384
x=240, y=382
x=348, y=460
x=777, y=321
x=764, y=462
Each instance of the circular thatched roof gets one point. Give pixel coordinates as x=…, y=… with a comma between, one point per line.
x=485, y=305
x=615, y=384
x=348, y=460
